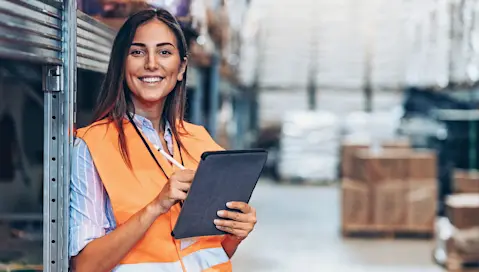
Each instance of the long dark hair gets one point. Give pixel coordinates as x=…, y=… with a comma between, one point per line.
x=115, y=101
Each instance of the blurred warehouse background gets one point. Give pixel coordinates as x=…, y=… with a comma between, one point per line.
x=369, y=110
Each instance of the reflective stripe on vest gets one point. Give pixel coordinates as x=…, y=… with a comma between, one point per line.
x=195, y=262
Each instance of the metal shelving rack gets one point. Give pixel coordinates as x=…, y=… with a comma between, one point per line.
x=94, y=42
x=59, y=41
x=40, y=25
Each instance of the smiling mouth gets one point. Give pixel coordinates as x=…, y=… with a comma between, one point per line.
x=151, y=80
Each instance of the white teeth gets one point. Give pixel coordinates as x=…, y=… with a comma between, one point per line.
x=150, y=79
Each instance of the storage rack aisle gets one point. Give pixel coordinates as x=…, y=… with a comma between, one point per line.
x=52, y=60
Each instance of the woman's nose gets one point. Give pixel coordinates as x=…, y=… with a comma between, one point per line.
x=151, y=62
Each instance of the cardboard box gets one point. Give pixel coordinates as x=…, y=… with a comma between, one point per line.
x=384, y=166
x=466, y=181
x=347, y=155
x=463, y=210
x=465, y=245
x=421, y=204
x=394, y=164
x=349, y=149
x=422, y=165
x=389, y=204
x=355, y=203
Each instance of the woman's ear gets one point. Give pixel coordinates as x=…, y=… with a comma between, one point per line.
x=183, y=65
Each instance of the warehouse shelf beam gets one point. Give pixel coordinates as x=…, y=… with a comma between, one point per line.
x=22, y=217
x=268, y=88
x=94, y=42
x=30, y=31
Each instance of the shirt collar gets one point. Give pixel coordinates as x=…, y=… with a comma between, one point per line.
x=143, y=123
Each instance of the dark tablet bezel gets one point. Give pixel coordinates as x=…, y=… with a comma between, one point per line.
x=222, y=152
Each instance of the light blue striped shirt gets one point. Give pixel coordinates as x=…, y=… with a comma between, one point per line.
x=91, y=214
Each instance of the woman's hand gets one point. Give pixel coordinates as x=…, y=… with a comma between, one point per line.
x=240, y=224
x=175, y=190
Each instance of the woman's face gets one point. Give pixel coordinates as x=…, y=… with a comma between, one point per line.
x=153, y=65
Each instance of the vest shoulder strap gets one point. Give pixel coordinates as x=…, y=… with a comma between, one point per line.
x=95, y=129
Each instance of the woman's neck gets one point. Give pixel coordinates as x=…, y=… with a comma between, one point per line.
x=151, y=112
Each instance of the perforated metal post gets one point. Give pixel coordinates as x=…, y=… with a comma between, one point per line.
x=59, y=85
x=52, y=170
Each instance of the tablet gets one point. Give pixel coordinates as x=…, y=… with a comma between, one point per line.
x=221, y=177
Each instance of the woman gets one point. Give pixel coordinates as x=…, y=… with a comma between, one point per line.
x=125, y=197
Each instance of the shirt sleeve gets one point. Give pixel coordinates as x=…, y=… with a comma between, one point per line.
x=89, y=217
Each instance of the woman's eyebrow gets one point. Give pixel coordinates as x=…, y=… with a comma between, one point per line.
x=157, y=45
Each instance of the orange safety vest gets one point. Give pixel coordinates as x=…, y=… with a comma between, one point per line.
x=130, y=190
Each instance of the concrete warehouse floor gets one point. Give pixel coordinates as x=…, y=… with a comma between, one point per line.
x=298, y=230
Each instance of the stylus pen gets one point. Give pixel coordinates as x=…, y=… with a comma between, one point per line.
x=171, y=159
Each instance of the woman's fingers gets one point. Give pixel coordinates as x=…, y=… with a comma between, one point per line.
x=177, y=195
x=247, y=214
x=240, y=224
x=233, y=224
x=239, y=233
x=241, y=206
x=236, y=216
x=185, y=187
x=183, y=176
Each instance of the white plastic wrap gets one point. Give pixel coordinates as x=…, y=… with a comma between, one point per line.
x=465, y=47
x=427, y=42
x=444, y=231
x=371, y=127
x=250, y=47
x=235, y=11
x=340, y=43
x=285, y=55
x=418, y=42
x=198, y=11
x=309, y=146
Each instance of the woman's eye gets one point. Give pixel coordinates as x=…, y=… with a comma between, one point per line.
x=165, y=52
x=136, y=52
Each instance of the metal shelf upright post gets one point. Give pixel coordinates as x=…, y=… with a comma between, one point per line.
x=196, y=81
x=85, y=44
x=59, y=85
x=214, y=94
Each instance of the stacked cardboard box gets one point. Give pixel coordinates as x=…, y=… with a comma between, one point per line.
x=422, y=187
x=349, y=148
x=462, y=247
x=393, y=189
x=463, y=210
x=466, y=181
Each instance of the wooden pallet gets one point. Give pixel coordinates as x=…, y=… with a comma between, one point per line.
x=457, y=263
x=387, y=232
x=307, y=182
